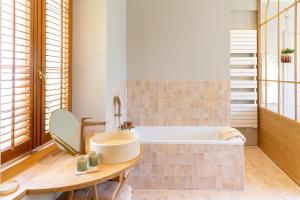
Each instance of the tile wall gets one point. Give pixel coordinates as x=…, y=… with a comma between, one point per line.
x=190, y=167
x=178, y=103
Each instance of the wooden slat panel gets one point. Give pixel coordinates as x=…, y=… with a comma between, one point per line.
x=279, y=138
x=16, y=75
x=57, y=57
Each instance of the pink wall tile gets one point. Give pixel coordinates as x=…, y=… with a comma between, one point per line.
x=218, y=167
x=185, y=103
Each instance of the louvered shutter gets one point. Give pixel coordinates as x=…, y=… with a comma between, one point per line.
x=57, y=54
x=16, y=76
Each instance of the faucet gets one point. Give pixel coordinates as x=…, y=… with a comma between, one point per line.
x=117, y=104
x=121, y=126
x=85, y=123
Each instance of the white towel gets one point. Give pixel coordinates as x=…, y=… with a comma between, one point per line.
x=229, y=133
x=107, y=189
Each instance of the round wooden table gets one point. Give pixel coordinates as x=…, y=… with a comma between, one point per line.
x=55, y=172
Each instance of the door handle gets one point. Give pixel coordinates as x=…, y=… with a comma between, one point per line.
x=42, y=76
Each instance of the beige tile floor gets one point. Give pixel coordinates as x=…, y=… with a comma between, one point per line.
x=263, y=181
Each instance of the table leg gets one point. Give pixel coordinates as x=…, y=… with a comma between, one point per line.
x=70, y=195
x=88, y=192
x=122, y=180
x=95, y=192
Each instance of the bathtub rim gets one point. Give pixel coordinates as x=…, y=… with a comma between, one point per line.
x=216, y=142
x=233, y=141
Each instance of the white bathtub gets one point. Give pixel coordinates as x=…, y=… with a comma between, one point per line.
x=188, y=158
x=183, y=135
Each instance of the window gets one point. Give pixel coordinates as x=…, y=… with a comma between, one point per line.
x=279, y=57
x=35, y=71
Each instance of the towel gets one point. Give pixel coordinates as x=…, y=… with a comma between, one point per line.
x=229, y=133
x=106, y=191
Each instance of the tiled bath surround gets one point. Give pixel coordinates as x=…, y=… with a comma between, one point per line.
x=172, y=103
x=190, y=167
x=181, y=103
x=178, y=103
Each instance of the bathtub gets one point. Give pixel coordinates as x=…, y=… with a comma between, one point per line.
x=183, y=135
x=188, y=158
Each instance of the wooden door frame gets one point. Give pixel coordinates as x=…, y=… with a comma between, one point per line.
x=36, y=69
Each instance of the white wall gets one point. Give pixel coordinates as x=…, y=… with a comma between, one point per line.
x=99, y=56
x=246, y=5
x=116, y=70
x=178, y=39
x=116, y=42
x=89, y=58
x=243, y=19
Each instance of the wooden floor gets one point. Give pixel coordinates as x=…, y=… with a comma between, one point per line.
x=263, y=181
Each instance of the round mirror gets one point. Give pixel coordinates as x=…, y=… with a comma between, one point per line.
x=65, y=130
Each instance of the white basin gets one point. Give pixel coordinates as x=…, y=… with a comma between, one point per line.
x=115, y=147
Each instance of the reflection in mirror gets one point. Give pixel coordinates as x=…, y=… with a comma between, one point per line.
x=65, y=130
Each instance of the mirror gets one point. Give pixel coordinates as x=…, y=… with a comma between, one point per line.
x=65, y=131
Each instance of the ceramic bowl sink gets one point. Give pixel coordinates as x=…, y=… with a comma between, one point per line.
x=115, y=147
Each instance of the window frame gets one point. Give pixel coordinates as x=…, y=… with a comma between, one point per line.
x=38, y=137
x=263, y=22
